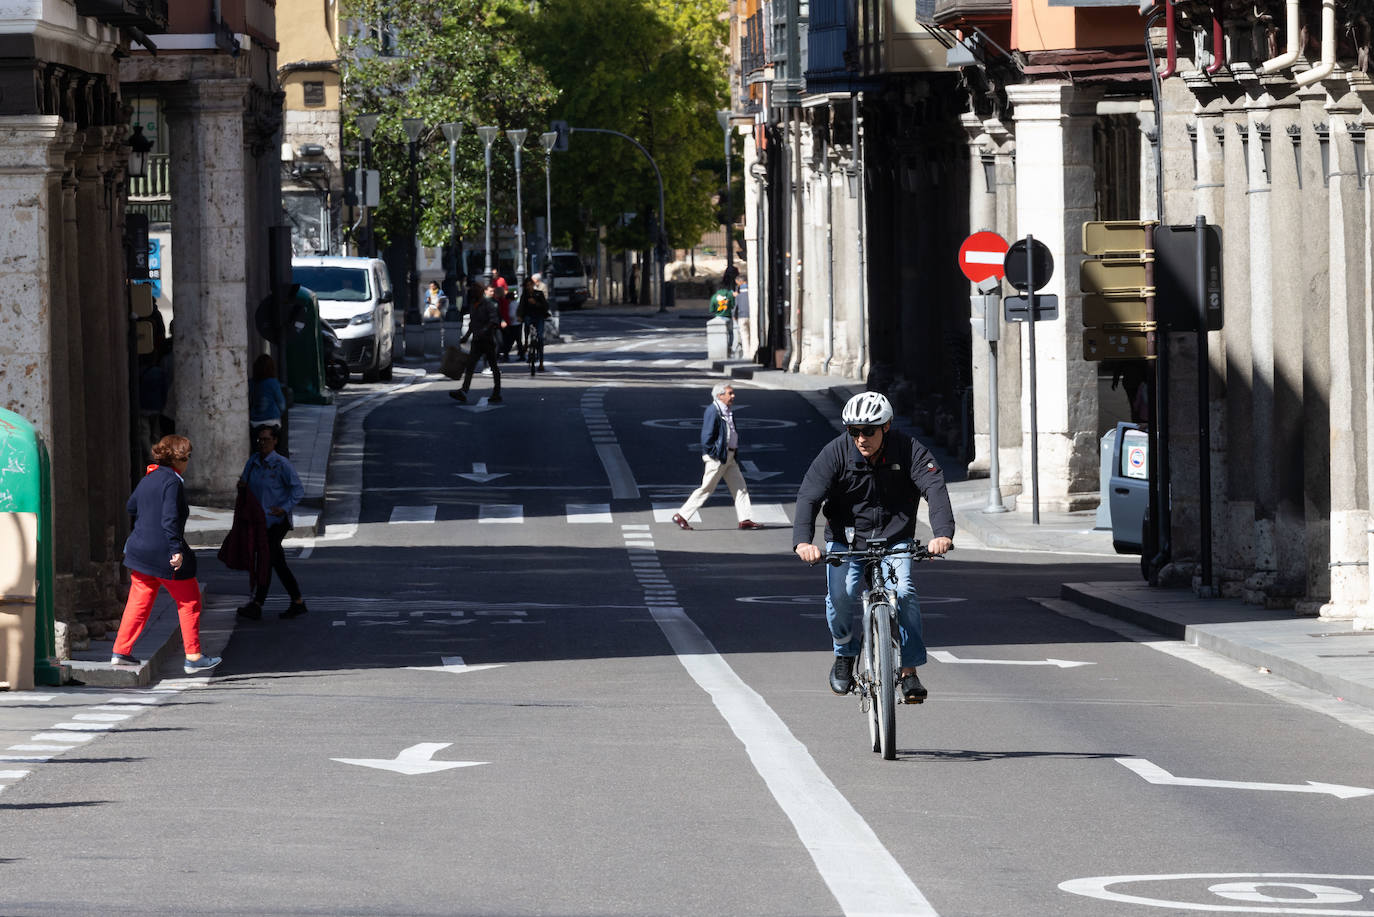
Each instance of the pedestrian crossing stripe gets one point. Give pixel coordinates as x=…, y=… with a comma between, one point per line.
x=576, y=513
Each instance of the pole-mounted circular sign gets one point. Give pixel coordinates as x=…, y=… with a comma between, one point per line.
x=1018, y=272
x=980, y=257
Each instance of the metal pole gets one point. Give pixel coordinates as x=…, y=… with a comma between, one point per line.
x=453, y=213
x=487, y=266
x=991, y=313
x=729, y=203
x=1035, y=433
x=548, y=210
x=519, y=225
x=413, y=309
x=1204, y=439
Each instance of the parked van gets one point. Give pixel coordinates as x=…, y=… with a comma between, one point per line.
x=355, y=297
x=567, y=281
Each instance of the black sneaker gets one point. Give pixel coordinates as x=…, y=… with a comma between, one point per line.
x=123, y=659
x=294, y=610
x=252, y=611
x=842, y=675
x=494, y=399
x=913, y=692
x=459, y=396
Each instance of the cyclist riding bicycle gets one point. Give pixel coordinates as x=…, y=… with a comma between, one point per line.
x=533, y=312
x=871, y=478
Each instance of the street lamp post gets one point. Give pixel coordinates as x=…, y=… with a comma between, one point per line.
x=488, y=135
x=547, y=140
x=723, y=117
x=367, y=126
x=414, y=128
x=452, y=131
x=517, y=140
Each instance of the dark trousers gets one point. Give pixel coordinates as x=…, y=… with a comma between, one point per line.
x=486, y=347
x=275, y=534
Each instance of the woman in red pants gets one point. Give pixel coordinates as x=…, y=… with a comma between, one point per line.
x=157, y=556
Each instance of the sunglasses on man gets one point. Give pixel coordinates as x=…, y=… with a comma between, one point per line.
x=856, y=432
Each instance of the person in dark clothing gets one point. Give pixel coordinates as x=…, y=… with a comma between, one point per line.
x=871, y=478
x=159, y=558
x=485, y=330
x=532, y=313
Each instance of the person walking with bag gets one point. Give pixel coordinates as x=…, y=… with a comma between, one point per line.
x=270, y=477
x=719, y=444
x=158, y=557
x=485, y=330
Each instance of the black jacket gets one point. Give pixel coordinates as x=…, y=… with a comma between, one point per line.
x=485, y=324
x=878, y=500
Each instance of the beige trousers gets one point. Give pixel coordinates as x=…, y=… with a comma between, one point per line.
x=711, y=476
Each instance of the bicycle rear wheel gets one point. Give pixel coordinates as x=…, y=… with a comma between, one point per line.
x=884, y=680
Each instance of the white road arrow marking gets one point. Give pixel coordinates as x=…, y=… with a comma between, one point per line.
x=480, y=475
x=751, y=471
x=1153, y=773
x=943, y=656
x=414, y=760
x=453, y=664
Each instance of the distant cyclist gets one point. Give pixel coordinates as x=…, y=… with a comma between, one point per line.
x=533, y=312
x=872, y=478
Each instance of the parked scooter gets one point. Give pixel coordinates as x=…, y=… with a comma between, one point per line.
x=335, y=369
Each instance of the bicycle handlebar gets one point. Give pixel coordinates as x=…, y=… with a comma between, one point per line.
x=916, y=552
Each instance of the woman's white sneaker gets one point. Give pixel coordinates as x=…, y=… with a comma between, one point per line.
x=203, y=664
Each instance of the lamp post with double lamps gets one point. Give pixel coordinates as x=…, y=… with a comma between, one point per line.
x=488, y=135
x=367, y=126
x=452, y=131
x=723, y=116
x=517, y=141
x=415, y=129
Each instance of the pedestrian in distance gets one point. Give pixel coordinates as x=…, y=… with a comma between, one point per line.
x=719, y=445
x=870, y=479
x=158, y=557
x=270, y=477
x=436, y=303
x=266, y=400
x=532, y=313
x=484, y=328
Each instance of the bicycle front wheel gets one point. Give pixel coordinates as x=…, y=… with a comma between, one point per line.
x=884, y=680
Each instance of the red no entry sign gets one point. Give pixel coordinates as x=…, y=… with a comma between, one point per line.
x=981, y=256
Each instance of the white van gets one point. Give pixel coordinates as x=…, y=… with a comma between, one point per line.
x=567, y=280
x=355, y=298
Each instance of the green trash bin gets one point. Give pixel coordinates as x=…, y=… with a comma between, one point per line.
x=304, y=352
x=26, y=513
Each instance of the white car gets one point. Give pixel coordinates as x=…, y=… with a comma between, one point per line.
x=355, y=297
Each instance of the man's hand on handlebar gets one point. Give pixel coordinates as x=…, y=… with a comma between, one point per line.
x=940, y=545
x=808, y=552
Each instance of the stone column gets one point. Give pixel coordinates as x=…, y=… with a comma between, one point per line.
x=1349, y=341
x=982, y=215
x=31, y=165
x=1054, y=181
x=1235, y=547
x=211, y=168
x=1264, y=569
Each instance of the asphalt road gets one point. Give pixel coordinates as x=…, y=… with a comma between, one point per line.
x=520, y=690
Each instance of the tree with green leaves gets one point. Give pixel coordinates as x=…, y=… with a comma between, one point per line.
x=654, y=70
x=441, y=61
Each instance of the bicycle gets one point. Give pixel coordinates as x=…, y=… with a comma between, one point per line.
x=875, y=669
x=534, y=348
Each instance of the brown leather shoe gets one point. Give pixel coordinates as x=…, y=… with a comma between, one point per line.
x=681, y=523
x=750, y=524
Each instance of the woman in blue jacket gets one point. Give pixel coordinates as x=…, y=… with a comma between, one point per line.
x=157, y=556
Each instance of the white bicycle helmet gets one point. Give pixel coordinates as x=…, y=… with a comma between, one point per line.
x=867, y=408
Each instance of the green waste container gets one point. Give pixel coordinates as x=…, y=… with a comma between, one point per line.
x=304, y=352
x=26, y=570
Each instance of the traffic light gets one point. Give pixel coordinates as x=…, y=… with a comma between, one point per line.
x=1117, y=280
x=561, y=128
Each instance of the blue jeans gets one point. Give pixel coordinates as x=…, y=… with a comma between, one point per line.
x=844, y=605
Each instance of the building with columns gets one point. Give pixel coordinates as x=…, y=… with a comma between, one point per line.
x=206, y=83
x=1049, y=114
